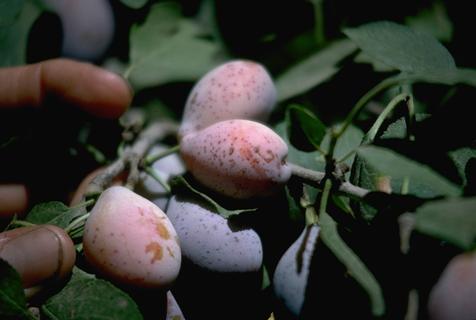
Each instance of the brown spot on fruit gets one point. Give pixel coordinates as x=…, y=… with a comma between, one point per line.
x=170, y=252
x=156, y=249
x=162, y=231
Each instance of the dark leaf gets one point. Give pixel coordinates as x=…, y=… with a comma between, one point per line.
x=12, y=298
x=304, y=122
x=86, y=298
x=355, y=266
x=401, y=47
x=453, y=220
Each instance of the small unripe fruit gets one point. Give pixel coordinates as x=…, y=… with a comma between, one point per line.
x=38, y=253
x=130, y=240
x=238, y=89
x=453, y=296
x=88, y=27
x=292, y=271
x=212, y=242
x=238, y=158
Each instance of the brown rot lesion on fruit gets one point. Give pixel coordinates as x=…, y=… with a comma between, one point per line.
x=156, y=249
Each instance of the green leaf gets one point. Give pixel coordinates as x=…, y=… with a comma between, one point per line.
x=447, y=77
x=453, y=220
x=308, y=123
x=311, y=160
x=14, y=33
x=460, y=157
x=434, y=21
x=91, y=299
x=401, y=47
x=363, y=175
x=347, y=143
x=168, y=48
x=179, y=181
x=313, y=71
x=355, y=266
x=134, y=4
x=12, y=298
x=53, y=212
x=424, y=182
x=9, y=11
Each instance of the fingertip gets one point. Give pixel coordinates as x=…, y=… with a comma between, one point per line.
x=93, y=89
x=13, y=200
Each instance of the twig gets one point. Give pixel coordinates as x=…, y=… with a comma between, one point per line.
x=132, y=157
x=315, y=178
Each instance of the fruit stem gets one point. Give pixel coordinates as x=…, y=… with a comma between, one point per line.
x=372, y=133
x=155, y=157
x=151, y=172
x=315, y=179
x=385, y=84
x=325, y=197
x=76, y=223
x=132, y=157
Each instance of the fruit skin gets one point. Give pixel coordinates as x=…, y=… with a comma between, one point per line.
x=212, y=242
x=88, y=27
x=225, y=269
x=237, y=158
x=238, y=89
x=38, y=253
x=453, y=296
x=292, y=271
x=129, y=239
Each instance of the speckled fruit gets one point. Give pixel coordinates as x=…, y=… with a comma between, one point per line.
x=212, y=242
x=453, y=296
x=238, y=89
x=130, y=240
x=238, y=158
x=292, y=271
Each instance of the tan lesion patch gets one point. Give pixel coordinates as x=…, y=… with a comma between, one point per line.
x=162, y=231
x=156, y=249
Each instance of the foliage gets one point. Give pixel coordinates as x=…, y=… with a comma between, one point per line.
x=371, y=96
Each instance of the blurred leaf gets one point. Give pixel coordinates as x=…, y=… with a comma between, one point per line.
x=453, y=220
x=305, y=122
x=460, y=157
x=14, y=33
x=53, y=212
x=179, y=181
x=9, y=11
x=447, y=77
x=84, y=297
x=311, y=160
x=395, y=130
x=424, y=182
x=401, y=47
x=313, y=71
x=347, y=143
x=134, y=4
x=377, y=65
x=434, y=21
x=354, y=265
x=168, y=48
x=12, y=298
x=363, y=175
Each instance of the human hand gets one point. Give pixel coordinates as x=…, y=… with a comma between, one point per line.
x=84, y=86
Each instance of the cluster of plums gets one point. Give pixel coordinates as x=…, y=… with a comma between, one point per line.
x=145, y=239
